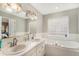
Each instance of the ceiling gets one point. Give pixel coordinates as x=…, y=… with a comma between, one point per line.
x=47, y=8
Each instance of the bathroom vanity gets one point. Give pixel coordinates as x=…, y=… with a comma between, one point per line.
x=37, y=50
x=31, y=48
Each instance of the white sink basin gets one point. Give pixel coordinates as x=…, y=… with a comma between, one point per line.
x=20, y=48
x=36, y=40
x=15, y=50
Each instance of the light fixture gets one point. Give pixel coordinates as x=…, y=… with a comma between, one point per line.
x=33, y=17
x=16, y=8
x=9, y=9
x=31, y=14
x=11, y=6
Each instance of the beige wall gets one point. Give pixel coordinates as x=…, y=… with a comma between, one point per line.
x=20, y=25
x=73, y=19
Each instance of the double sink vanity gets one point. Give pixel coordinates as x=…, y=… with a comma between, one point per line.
x=30, y=48
x=13, y=22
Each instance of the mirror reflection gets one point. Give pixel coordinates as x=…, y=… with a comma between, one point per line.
x=5, y=27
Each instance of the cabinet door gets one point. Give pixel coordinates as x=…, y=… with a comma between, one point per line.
x=41, y=50
x=31, y=53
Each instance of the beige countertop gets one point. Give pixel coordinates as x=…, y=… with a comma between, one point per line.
x=31, y=45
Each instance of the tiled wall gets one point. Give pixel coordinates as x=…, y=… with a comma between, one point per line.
x=70, y=36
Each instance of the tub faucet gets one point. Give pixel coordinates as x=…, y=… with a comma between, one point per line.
x=65, y=35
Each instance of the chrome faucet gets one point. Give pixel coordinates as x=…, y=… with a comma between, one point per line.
x=33, y=36
x=30, y=36
x=13, y=43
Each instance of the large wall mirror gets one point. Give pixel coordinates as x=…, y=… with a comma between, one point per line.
x=7, y=27
x=33, y=26
x=12, y=26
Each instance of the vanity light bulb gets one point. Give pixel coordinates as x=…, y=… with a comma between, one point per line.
x=35, y=17
x=9, y=9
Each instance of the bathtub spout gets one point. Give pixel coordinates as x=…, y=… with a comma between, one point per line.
x=65, y=35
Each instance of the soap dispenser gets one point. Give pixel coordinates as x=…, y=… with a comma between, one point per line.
x=0, y=44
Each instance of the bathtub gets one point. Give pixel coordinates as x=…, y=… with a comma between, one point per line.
x=62, y=48
x=68, y=44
